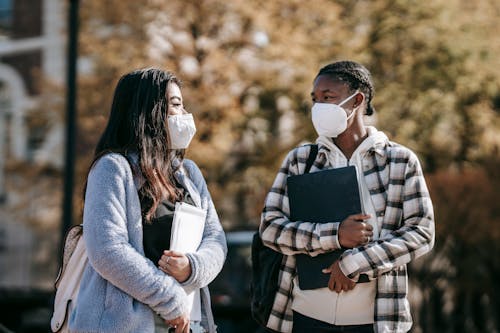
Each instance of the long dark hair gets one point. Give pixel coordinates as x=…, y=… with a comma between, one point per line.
x=138, y=123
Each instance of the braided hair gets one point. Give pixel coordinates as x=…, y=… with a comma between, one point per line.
x=355, y=75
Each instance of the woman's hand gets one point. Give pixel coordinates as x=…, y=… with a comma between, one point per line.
x=181, y=324
x=175, y=264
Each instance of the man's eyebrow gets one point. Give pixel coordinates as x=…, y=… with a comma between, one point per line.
x=323, y=91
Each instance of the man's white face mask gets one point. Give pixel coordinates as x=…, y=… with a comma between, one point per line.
x=330, y=120
x=181, y=129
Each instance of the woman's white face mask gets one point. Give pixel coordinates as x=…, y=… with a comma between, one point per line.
x=329, y=119
x=181, y=129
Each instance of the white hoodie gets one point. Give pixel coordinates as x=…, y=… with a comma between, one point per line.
x=354, y=307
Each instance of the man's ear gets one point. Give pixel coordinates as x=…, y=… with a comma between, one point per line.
x=358, y=99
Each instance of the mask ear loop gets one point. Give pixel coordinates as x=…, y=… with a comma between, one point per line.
x=346, y=100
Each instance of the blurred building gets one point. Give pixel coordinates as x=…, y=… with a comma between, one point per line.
x=32, y=57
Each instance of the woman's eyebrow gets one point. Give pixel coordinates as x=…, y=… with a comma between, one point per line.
x=175, y=97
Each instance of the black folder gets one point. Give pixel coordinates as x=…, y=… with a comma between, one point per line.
x=324, y=196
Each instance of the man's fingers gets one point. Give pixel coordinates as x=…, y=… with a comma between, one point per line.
x=328, y=269
x=338, y=287
x=369, y=233
x=351, y=284
x=365, y=226
x=359, y=217
x=331, y=283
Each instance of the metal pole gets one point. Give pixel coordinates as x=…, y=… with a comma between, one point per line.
x=67, y=220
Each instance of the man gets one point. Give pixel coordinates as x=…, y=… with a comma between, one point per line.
x=395, y=227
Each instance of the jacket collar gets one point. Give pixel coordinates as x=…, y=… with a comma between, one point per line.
x=185, y=181
x=376, y=142
x=180, y=175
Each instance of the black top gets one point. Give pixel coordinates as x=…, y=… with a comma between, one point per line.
x=156, y=234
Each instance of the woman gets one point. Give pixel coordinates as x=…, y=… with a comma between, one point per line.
x=133, y=283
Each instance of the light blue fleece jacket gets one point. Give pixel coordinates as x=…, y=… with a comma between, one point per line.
x=121, y=289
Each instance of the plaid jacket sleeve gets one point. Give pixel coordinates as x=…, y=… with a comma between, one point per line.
x=408, y=220
x=283, y=235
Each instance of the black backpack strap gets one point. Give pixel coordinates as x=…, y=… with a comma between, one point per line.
x=312, y=157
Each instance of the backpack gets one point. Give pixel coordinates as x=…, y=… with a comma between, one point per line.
x=67, y=284
x=266, y=264
x=68, y=280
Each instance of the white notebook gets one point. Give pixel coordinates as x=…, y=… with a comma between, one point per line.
x=187, y=231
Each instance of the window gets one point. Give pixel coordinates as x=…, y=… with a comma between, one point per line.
x=5, y=17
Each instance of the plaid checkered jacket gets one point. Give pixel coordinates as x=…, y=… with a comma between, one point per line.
x=405, y=219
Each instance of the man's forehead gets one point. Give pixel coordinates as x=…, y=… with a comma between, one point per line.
x=334, y=78
x=328, y=82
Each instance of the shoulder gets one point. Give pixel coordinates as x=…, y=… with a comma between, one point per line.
x=112, y=163
x=299, y=154
x=193, y=172
x=110, y=160
x=398, y=153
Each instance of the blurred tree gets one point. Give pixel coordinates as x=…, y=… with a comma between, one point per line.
x=247, y=72
x=437, y=75
x=438, y=83
x=459, y=282
x=248, y=67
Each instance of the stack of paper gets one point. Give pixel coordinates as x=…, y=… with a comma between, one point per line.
x=187, y=231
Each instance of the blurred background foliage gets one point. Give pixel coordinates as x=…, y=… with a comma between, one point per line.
x=247, y=68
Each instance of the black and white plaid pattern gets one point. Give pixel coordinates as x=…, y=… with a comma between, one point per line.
x=404, y=215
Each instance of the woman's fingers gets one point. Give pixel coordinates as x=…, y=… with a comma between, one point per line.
x=171, y=253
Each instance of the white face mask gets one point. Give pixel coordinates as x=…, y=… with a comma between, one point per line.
x=330, y=120
x=181, y=129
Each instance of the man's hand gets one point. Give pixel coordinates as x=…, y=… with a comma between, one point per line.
x=181, y=324
x=338, y=281
x=353, y=231
x=175, y=264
